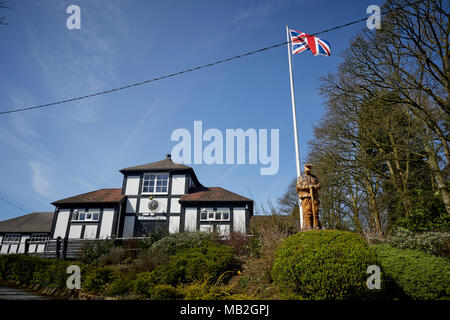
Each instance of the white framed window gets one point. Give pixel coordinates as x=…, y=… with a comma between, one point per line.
x=221, y=214
x=11, y=237
x=93, y=215
x=155, y=183
x=224, y=214
x=206, y=214
x=83, y=215
x=38, y=237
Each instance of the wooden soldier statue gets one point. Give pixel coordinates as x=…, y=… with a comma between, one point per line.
x=307, y=189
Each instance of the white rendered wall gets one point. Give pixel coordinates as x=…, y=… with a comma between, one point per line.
x=174, y=224
x=128, y=228
x=32, y=248
x=190, y=223
x=132, y=185
x=90, y=232
x=162, y=205
x=131, y=205
x=61, y=223
x=75, y=231
x=107, y=223
x=178, y=183
x=175, y=206
x=239, y=220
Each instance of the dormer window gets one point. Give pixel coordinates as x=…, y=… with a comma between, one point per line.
x=155, y=183
x=83, y=215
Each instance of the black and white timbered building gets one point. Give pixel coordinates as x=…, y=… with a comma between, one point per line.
x=28, y=233
x=154, y=196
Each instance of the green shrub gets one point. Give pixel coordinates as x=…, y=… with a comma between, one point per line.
x=437, y=243
x=93, y=250
x=208, y=260
x=429, y=214
x=419, y=275
x=323, y=264
x=116, y=255
x=33, y=270
x=203, y=290
x=165, y=292
x=52, y=275
x=21, y=268
x=175, y=242
x=120, y=286
x=205, y=262
x=97, y=279
x=149, y=259
x=144, y=283
x=153, y=237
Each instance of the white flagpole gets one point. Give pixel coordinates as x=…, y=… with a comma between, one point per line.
x=294, y=117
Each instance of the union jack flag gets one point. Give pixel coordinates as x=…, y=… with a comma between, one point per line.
x=302, y=41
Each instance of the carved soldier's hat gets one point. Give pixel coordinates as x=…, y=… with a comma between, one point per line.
x=308, y=166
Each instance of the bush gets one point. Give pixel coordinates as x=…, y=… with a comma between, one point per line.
x=165, y=292
x=429, y=214
x=52, y=275
x=269, y=231
x=116, y=255
x=208, y=260
x=93, y=250
x=175, y=242
x=148, y=260
x=144, y=283
x=33, y=270
x=120, y=286
x=202, y=290
x=323, y=264
x=153, y=237
x=97, y=279
x=241, y=243
x=436, y=243
x=419, y=275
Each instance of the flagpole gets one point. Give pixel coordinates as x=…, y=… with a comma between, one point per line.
x=294, y=118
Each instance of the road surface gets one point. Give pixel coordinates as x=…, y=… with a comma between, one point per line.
x=7, y=293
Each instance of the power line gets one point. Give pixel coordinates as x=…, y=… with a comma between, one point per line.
x=12, y=204
x=196, y=68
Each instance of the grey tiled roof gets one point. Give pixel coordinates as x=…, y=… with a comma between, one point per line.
x=212, y=194
x=32, y=222
x=109, y=195
x=166, y=164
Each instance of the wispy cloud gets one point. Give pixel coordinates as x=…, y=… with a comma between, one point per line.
x=22, y=126
x=40, y=180
x=36, y=156
x=255, y=15
x=249, y=18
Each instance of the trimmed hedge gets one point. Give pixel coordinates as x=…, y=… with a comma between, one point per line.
x=34, y=270
x=323, y=264
x=420, y=276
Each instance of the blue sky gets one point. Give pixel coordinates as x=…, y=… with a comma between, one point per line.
x=57, y=152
